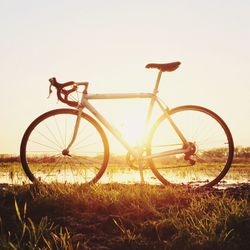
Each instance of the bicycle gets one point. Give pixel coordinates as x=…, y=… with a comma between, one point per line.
x=69, y=145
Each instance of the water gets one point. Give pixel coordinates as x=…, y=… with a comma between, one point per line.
x=12, y=173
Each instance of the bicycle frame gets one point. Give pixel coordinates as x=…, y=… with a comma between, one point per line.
x=73, y=145
x=115, y=132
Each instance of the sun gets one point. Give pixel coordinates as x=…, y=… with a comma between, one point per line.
x=134, y=131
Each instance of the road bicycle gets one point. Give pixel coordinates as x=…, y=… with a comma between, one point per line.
x=188, y=144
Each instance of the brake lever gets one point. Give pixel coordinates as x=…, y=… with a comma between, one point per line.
x=50, y=90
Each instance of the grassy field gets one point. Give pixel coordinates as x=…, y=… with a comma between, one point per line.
x=118, y=216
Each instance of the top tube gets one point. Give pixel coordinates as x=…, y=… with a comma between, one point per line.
x=119, y=96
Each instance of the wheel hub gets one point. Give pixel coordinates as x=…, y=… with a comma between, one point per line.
x=65, y=152
x=190, y=153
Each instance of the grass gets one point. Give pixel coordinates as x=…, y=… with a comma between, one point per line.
x=117, y=216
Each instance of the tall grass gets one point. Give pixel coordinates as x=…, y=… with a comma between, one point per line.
x=29, y=235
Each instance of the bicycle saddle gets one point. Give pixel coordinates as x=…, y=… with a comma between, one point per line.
x=164, y=66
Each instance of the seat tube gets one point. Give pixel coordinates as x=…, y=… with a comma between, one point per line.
x=151, y=105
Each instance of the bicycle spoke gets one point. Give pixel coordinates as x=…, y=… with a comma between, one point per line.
x=53, y=135
x=87, y=145
x=59, y=130
x=44, y=145
x=65, y=134
x=45, y=137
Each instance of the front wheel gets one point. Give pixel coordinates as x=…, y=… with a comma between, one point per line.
x=44, y=153
x=210, y=141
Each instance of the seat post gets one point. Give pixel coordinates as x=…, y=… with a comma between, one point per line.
x=157, y=82
x=151, y=105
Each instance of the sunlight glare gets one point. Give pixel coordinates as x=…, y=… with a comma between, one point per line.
x=134, y=132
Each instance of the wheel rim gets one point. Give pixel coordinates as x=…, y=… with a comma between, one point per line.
x=44, y=151
x=212, y=148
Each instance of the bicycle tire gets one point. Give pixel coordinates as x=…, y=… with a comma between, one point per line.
x=206, y=157
x=43, y=143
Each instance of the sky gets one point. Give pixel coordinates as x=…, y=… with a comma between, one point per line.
x=108, y=43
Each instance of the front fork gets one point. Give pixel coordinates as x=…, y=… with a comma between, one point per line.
x=77, y=124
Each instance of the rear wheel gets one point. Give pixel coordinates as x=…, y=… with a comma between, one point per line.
x=210, y=142
x=43, y=149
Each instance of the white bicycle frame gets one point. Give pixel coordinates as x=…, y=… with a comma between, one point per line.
x=84, y=103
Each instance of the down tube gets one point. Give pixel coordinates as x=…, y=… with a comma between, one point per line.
x=110, y=128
